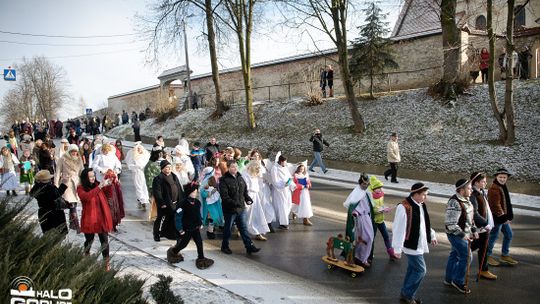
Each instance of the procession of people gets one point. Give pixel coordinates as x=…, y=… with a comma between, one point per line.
x=218, y=190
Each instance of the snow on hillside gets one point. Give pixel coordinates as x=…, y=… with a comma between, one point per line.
x=433, y=137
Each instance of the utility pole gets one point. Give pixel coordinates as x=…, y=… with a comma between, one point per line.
x=190, y=93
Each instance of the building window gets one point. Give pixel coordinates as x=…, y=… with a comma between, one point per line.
x=519, y=16
x=480, y=23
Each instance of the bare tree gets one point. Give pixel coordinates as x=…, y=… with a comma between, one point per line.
x=451, y=39
x=505, y=118
x=330, y=18
x=241, y=16
x=165, y=32
x=81, y=106
x=39, y=92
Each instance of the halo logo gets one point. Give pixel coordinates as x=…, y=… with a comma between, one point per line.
x=22, y=292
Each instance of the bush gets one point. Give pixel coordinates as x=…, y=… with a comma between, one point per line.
x=53, y=264
x=165, y=112
x=161, y=291
x=313, y=99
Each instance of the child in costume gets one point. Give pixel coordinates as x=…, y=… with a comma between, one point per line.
x=27, y=167
x=212, y=213
x=188, y=223
x=8, y=175
x=379, y=209
x=301, y=200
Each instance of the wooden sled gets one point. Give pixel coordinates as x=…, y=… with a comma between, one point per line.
x=354, y=269
x=348, y=248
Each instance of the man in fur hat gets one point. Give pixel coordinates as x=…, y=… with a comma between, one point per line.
x=503, y=214
x=411, y=234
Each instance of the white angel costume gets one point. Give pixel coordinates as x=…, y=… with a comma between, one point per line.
x=136, y=160
x=256, y=221
x=283, y=184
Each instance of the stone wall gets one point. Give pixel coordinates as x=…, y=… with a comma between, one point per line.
x=139, y=100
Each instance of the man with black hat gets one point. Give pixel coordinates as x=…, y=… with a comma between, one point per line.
x=411, y=234
x=167, y=192
x=461, y=231
x=501, y=207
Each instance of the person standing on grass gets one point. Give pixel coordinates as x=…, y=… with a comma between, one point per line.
x=394, y=157
x=318, y=142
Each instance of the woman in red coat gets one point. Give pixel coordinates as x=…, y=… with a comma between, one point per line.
x=96, y=214
x=484, y=64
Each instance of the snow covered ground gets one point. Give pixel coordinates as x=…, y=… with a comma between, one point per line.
x=433, y=137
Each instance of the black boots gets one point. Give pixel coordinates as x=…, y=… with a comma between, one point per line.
x=203, y=263
x=252, y=249
x=174, y=257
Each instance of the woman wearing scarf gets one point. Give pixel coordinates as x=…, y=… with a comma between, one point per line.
x=96, y=215
x=68, y=169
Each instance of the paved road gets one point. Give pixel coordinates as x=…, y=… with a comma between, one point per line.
x=299, y=250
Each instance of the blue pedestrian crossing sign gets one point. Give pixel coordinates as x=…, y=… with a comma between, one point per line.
x=88, y=111
x=10, y=74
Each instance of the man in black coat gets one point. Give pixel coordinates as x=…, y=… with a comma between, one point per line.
x=234, y=196
x=167, y=192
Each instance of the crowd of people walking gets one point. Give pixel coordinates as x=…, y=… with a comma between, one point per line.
x=192, y=187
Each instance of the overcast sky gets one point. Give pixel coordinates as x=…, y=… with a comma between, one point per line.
x=97, y=68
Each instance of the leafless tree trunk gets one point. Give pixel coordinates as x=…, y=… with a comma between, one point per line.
x=241, y=16
x=209, y=11
x=505, y=118
x=451, y=48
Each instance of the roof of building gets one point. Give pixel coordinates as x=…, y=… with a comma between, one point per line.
x=176, y=70
x=417, y=18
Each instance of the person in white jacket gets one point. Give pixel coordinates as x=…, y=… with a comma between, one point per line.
x=136, y=160
x=105, y=161
x=282, y=181
x=68, y=169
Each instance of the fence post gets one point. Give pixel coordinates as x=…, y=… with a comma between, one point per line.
x=268, y=93
x=289, y=85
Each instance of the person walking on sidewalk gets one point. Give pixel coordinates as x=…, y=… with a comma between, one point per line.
x=503, y=214
x=461, y=231
x=318, y=142
x=483, y=219
x=188, y=224
x=234, y=196
x=394, y=157
x=167, y=192
x=412, y=233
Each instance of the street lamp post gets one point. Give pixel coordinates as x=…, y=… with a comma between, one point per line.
x=190, y=94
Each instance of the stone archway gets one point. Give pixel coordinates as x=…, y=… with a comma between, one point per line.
x=166, y=92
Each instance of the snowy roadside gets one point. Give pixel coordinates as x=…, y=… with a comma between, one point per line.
x=433, y=137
